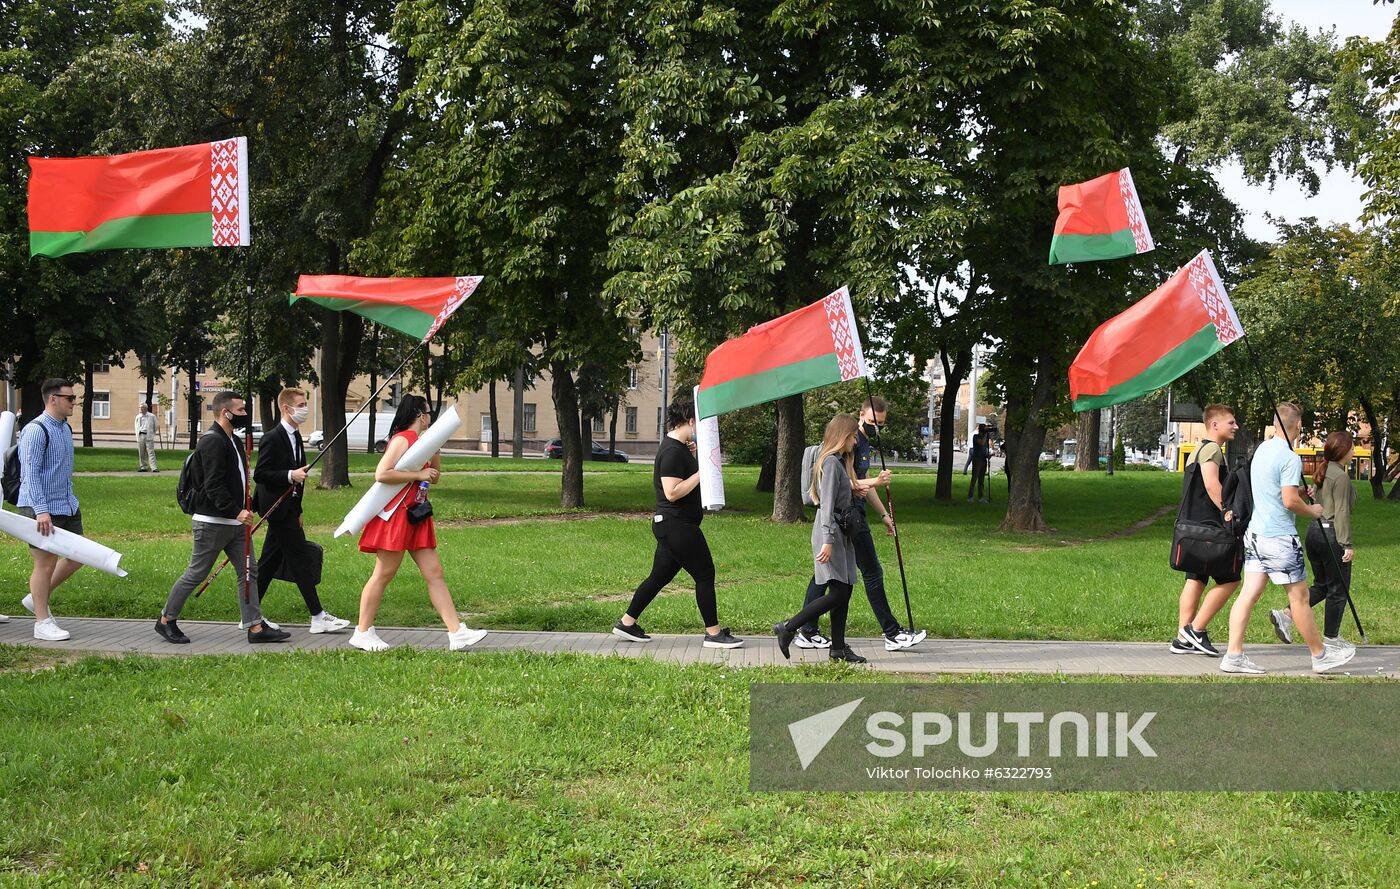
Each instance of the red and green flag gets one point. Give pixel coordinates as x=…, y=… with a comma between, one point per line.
x=1100, y=219
x=1161, y=337
x=815, y=346
x=190, y=196
x=415, y=306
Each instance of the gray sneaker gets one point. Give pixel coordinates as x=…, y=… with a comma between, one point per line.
x=1283, y=624
x=1239, y=663
x=1338, y=642
x=1331, y=659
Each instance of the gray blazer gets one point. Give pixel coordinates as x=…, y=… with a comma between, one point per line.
x=835, y=492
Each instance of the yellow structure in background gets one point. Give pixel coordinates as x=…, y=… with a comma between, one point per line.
x=1361, y=464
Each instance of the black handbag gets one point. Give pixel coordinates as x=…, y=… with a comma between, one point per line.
x=419, y=510
x=308, y=565
x=1201, y=543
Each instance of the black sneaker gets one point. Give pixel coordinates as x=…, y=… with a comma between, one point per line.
x=845, y=654
x=634, y=633
x=170, y=632
x=268, y=634
x=1179, y=647
x=722, y=639
x=1199, y=640
x=785, y=637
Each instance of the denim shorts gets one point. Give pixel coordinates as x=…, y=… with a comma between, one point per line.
x=1279, y=557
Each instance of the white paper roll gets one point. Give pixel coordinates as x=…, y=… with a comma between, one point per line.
x=422, y=450
x=711, y=470
x=7, y=430
x=62, y=543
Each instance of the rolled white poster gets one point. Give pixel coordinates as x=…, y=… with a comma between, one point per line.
x=421, y=451
x=7, y=430
x=62, y=543
x=708, y=453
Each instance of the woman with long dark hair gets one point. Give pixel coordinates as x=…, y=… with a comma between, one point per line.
x=390, y=534
x=833, y=553
x=680, y=544
x=1332, y=571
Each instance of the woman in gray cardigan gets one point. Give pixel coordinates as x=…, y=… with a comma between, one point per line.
x=833, y=555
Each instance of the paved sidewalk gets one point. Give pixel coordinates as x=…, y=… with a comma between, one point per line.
x=932, y=656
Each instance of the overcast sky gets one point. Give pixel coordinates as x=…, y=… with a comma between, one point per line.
x=1339, y=199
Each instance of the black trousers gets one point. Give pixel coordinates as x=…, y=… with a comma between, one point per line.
x=837, y=600
x=1328, y=585
x=285, y=542
x=872, y=574
x=979, y=476
x=679, y=545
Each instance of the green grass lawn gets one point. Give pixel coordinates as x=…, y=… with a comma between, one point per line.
x=513, y=562
x=170, y=461
x=429, y=769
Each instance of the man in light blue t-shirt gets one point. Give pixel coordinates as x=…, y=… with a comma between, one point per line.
x=1272, y=550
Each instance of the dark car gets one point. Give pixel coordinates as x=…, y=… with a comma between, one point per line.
x=554, y=450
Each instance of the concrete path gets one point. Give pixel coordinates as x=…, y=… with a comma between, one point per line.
x=110, y=636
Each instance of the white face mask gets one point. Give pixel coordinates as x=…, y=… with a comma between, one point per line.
x=300, y=414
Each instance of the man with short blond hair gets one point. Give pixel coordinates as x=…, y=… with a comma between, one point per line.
x=1272, y=549
x=1193, y=613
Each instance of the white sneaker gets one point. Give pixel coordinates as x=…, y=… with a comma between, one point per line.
x=1283, y=624
x=816, y=640
x=1338, y=642
x=267, y=623
x=1239, y=663
x=4, y=618
x=28, y=603
x=464, y=636
x=1332, y=658
x=325, y=622
x=368, y=640
x=47, y=631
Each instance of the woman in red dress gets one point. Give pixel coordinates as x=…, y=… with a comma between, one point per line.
x=390, y=534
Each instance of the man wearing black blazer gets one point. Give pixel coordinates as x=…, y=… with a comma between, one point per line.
x=221, y=519
x=282, y=470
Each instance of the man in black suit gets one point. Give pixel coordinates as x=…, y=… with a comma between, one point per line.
x=221, y=519
x=282, y=470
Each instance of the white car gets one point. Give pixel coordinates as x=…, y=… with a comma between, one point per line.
x=316, y=439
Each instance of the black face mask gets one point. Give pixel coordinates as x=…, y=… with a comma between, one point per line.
x=871, y=430
x=240, y=421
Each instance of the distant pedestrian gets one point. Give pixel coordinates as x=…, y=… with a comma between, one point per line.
x=980, y=452
x=146, y=439
x=46, y=495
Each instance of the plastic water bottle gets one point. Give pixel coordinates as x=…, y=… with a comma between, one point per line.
x=422, y=494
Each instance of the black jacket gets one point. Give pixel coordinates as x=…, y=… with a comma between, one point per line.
x=277, y=456
x=222, y=493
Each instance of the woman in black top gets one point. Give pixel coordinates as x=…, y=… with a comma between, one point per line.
x=679, y=541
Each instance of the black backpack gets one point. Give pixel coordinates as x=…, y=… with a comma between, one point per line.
x=1237, y=496
x=191, y=480
x=11, y=477
x=1201, y=541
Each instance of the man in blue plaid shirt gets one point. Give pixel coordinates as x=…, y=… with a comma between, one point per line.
x=46, y=495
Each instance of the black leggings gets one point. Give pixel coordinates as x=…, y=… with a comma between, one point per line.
x=1328, y=585
x=679, y=544
x=837, y=600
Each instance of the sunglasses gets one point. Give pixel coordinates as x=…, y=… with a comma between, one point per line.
x=71, y=398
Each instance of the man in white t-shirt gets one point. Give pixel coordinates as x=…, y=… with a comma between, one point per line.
x=1272, y=550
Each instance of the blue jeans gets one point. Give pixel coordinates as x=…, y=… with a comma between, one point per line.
x=872, y=574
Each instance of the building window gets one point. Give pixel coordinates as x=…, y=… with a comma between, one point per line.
x=631, y=421
x=632, y=378
x=101, y=367
x=527, y=418
x=101, y=405
x=598, y=425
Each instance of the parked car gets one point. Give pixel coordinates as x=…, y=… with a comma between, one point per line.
x=316, y=439
x=554, y=450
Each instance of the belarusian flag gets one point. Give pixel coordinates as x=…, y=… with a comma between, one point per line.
x=1164, y=335
x=191, y=196
x=415, y=306
x=802, y=350
x=1100, y=219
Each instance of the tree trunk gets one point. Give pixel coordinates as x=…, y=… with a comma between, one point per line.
x=373, y=387
x=151, y=392
x=31, y=402
x=768, y=471
x=570, y=434
x=270, y=413
x=341, y=333
x=1378, y=448
x=495, y=423
x=193, y=401
x=87, y=404
x=1025, y=511
x=1088, y=427
x=948, y=421
x=612, y=430
x=787, y=479
x=517, y=445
